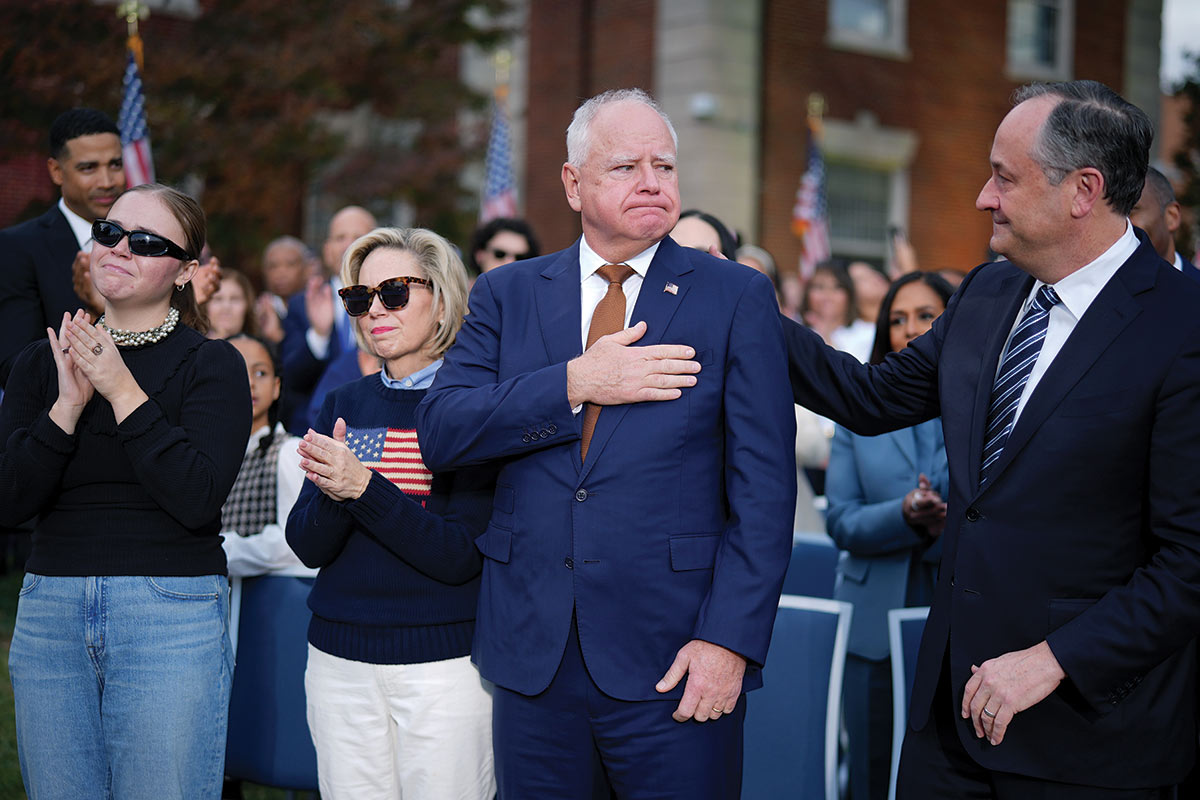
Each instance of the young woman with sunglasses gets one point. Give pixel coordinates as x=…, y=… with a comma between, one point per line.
x=395, y=707
x=122, y=438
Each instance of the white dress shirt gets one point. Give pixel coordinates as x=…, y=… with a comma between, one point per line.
x=1077, y=291
x=82, y=228
x=592, y=287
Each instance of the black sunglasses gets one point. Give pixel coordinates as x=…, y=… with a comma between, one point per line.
x=503, y=254
x=393, y=293
x=141, y=243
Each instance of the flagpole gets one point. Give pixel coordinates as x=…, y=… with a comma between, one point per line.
x=135, y=137
x=132, y=11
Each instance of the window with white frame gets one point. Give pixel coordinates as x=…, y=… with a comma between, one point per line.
x=871, y=26
x=866, y=185
x=1041, y=39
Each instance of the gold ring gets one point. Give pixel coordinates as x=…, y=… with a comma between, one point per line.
x=717, y=710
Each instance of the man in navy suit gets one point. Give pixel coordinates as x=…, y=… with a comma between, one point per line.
x=632, y=573
x=1058, y=660
x=316, y=329
x=36, y=273
x=1159, y=214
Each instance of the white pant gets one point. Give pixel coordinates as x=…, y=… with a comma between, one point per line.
x=410, y=731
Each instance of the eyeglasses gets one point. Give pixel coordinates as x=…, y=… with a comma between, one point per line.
x=141, y=243
x=393, y=293
x=501, y=255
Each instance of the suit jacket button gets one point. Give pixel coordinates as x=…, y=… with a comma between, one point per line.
x=552, y=428
x=525, y=438
x=569, y=562
x=973, y=514
x=544, y=433
x=581, y=495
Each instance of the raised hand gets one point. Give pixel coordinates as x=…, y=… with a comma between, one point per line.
x=318, y=303
x=74, y=388
x=611, y=372
x=96, y=355
x=329, y=463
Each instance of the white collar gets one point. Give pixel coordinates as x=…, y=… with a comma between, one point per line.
x=590, y=261
x=82, y=228
x=1079, y=289
x=1178, y=261
x=258, y=435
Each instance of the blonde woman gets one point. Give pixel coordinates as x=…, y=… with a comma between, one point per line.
x=395, y=706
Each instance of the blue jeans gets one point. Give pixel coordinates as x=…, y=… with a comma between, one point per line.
x=121, y=686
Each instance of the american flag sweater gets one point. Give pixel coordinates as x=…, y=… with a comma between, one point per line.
x=399, y=570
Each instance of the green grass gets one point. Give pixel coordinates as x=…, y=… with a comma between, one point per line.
x=11, y=787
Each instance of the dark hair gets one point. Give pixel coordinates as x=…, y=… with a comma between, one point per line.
x=883, y=336
x=75, y=123
x=1093, y=126
x=484, y=233
x=277, y=366
x=190, y=216
x=1160, y=187
x=729, y=243
x=836, y=268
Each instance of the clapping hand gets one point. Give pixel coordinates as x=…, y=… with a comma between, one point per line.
x=329, y=463
x=924, y=508
x=74, y=388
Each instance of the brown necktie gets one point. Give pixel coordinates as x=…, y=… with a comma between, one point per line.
x=609, y=317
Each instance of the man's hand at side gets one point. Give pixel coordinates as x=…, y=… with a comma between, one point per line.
x=1002, y=687
x=714, y=680
x=611, y=372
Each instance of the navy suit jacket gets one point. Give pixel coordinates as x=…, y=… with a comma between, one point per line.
x=867, y=480
x=302, y=370
x=1189, y=269
x=1088, y=534
x=677, y=527
x=36, y=285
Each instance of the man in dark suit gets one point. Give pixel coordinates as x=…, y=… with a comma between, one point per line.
x=1159, y=214
x=1058, y=659
x=316, y=329
x=36, y=273
x=632, y=543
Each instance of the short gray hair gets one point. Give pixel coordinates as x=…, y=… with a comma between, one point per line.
x=305, y=251
x=579, y=132
x=1093, y=126
x=439, y=263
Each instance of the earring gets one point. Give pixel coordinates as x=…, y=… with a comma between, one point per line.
x=179, y=287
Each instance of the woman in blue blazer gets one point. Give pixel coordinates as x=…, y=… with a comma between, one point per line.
x=886, y=513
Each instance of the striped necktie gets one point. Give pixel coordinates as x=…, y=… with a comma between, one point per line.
x=1023, y=350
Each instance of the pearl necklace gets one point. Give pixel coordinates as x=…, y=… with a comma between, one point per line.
x=139, y=338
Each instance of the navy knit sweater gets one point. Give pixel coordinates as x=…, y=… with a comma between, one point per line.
x=140, y=498
x=399, y=570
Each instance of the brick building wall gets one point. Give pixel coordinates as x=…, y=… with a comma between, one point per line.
x=952, y=91
x=576, y=50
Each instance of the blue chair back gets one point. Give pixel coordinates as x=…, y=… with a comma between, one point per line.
x=792, y=723
x=812, y=570
x=905, y=626
x=269, y=742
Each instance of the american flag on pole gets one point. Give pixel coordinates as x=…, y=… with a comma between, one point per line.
x=810, y=220
x=135, y=136
x=499, y=191
x=394, y=454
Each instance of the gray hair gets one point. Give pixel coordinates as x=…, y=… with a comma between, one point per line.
x=439, y=263
x=305, y=251
x=579, y=132
x=1093, y=126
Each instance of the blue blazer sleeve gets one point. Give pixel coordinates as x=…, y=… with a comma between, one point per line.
x=471, y=416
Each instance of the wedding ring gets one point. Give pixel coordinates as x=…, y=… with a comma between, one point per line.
x=66, y=350
x=717, y=710
x=98, y=349
x=991, y=714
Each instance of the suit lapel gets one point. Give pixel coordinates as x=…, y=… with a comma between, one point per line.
x=556, y=294
x=656, y=304
x=906, y=443
x=1109, y=314
x=1005, y=306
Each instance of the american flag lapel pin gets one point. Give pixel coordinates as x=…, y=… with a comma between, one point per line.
x=671, y=288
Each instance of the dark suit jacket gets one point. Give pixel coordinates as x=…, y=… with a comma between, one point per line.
x=1189, y=269
x=677, y=527
x=301, y=369
x=1088, y=535
x=35, y=282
